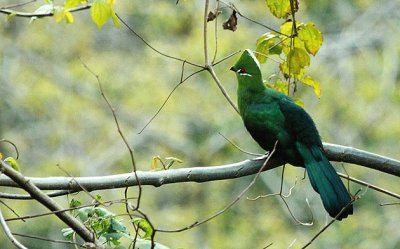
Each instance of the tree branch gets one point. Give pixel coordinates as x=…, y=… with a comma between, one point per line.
x=203, y=174
x=29, y=186
x=9, y=234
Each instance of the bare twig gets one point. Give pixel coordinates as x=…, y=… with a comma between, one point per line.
x=106, y=204
x=205, y=33
x=233, y=7
x=223, y=210
x=12, y=210
x=9, y=234
x=13, y=145
x=49, y=240
x=237, y=147
x=356, y=197
x=210, y=69
x=369, y=185
x=152, y=47
x=182, y=80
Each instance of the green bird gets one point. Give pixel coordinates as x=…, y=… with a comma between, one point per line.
x=271, y=116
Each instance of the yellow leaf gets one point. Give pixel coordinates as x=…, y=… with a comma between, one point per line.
x=11, y=15
x=279, y=8
x=59, y=13
x=297, y=59
x=115, y=19
x=101, y=10
x=281, y=86
x=307, y=80
x=311, y=36
x=68, y=17
x=13, y=163
x=154, y=162
x=71, y=3
x=298, y=102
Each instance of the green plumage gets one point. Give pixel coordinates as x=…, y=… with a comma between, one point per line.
x=271, y=116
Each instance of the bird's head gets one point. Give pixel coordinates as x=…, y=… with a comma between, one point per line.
x=248, y=72
x=247, y=66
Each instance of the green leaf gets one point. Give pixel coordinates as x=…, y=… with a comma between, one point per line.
x=102, y=212
x=118, y=226
x=85, y=213
x=74, y=203
x=100, y=12
x=145, y=226
x=269, y=43
x=307, y=80
x=279, y=8
x=311, y=36
x=67, y=233
x=13, y=163
x=146, y=244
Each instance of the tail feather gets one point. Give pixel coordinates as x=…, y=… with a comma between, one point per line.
x=325, y=181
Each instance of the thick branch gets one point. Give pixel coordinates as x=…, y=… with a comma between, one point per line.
x=205, y=174
x=28, y=185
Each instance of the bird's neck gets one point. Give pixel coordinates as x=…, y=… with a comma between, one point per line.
x=248, y=92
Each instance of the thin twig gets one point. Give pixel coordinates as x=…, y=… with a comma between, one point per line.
x=151, y=46
x=369, y=185
x=233, y=7
x=9, y=234
x=210, y=69
x=216, y=32
x=49, y=240
x=205, y=33
x=106, y=204
x=223, y=210
x=356, y=197
x=17, y=5
x=237, y=147
x=13, y=145
x=170, y=94
x=12, y=210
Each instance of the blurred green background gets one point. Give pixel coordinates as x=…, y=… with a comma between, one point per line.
x=52, y=110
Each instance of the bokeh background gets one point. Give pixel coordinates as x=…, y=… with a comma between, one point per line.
x=51, y=108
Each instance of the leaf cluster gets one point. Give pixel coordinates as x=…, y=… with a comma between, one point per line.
x=292, y=46
x=101, y=11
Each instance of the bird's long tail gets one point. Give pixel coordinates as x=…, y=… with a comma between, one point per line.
x=325, y=181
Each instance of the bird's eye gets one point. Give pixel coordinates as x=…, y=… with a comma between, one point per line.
x=242, y=71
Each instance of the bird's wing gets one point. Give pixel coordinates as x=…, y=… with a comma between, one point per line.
x=299, y=123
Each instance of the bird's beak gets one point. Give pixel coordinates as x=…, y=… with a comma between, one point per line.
x=232, y=69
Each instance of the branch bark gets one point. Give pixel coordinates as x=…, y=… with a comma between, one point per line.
x=28, y=185
x=203, y=174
